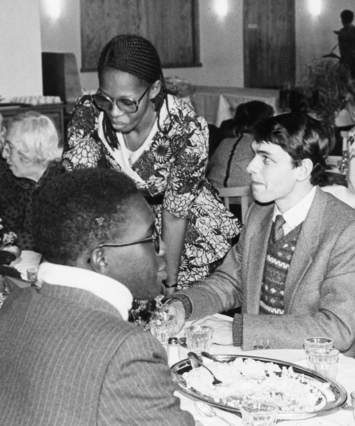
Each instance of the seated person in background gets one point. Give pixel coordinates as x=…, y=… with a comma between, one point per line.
x=30, y=148
x=217, y=134
x=293, y=269
x=227, y=166
x=68, y=355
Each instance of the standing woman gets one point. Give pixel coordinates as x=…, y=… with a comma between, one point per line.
x=133, y=125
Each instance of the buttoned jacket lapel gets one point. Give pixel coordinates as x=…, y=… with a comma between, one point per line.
x=256, y=254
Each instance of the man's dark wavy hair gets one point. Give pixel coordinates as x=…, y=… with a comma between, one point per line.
x=301, y=136
x=78, y=210
x=347, y=16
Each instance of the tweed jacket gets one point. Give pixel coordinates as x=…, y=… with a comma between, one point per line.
x=320, y=285
x=67, y=358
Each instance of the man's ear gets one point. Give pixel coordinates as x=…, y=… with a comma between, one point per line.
x=305, y=169
x=155, y=89
x=98, y=260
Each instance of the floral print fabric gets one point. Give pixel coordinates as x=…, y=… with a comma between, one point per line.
x=173, y=169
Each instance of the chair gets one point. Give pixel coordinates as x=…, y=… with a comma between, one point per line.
x=236, y=195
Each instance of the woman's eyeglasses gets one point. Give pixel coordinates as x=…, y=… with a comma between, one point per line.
x=127, y=105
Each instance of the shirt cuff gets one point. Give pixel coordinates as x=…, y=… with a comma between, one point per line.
x=238, y=330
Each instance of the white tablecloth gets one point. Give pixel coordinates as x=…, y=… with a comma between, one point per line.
x=340, y=417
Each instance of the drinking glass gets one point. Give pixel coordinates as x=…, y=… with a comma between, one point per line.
x=313, y=345
x=31, y=274
x=199, y=338
x=318, y=344
x=325, y=363
x=161, y=326
x=261, y=344
x=258, y=413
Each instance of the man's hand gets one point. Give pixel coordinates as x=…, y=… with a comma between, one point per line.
x=176, y=312
x=223, y=334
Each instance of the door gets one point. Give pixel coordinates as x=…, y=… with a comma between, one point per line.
x=269, y=43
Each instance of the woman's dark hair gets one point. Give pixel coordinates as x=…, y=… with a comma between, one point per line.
x=137, y=56
x=78, y=210
x=250, y=113
x=301, y=136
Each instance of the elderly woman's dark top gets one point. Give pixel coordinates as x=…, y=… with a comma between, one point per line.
x=16, y=200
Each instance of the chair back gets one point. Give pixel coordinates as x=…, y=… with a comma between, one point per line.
x=236, y=195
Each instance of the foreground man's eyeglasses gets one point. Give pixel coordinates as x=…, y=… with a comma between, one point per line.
x=153, y=239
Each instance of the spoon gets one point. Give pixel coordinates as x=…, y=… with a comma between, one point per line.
x=196, y=361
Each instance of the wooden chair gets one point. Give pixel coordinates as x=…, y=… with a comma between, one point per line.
x=236, y=195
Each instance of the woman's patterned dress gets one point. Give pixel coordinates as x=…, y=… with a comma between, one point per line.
x=170, y=169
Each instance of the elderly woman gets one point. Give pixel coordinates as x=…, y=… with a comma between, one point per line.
x=30, y=151
x=133, y=125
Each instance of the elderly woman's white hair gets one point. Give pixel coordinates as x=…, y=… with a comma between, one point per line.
x=35, y=136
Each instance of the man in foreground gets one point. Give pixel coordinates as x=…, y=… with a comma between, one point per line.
x=293, y=269
x=68, y=355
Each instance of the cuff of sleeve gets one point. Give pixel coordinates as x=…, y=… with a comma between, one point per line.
x=238, y=330
x=185, y=301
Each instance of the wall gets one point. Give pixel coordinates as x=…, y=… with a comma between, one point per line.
x=314, y=35
x=220, y=43
x=27, y=29
x=20, y=48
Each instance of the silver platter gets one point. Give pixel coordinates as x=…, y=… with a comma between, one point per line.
x=336, y=396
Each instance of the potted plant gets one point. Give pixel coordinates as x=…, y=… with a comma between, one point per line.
x=328, y=87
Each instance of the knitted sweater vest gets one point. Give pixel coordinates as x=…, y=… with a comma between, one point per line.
x=277, y=263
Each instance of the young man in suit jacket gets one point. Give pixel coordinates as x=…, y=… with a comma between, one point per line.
x=68, y=355
x=293, y=269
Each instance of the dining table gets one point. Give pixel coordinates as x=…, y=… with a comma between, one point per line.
x=212, y=416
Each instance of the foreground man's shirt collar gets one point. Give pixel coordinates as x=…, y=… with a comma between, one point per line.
x=108, y=289
x=298, y=213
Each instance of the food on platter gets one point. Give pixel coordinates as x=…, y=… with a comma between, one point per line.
x=242, y=378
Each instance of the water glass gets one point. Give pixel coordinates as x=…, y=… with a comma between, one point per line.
x=325, y=363
x=261, y=344
x=31, y=274
x=161, y=326
x=160, y=330
x=258, y=413
x=317, y=345
x=199, y=338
